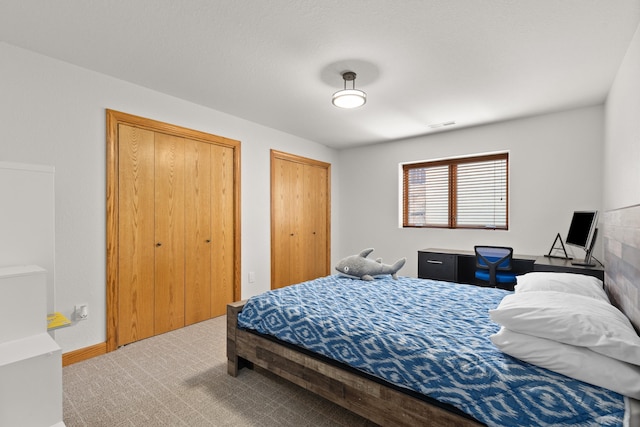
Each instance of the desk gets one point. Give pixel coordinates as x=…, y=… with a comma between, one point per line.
x=562, y=265
x=460, y=266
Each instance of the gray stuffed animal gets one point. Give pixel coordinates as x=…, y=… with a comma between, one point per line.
x=360, y=267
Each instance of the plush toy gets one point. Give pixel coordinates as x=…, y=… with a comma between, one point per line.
x=360, y=267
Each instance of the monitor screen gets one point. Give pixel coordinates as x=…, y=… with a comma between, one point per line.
x=581, y=229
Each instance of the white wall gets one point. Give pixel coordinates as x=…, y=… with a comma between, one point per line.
x=555, y=168
x=53, y=113
x=622, y=141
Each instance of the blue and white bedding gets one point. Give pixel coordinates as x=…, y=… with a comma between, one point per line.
x=431, y=337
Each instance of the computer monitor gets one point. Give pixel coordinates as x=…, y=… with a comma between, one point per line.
x=583, y=233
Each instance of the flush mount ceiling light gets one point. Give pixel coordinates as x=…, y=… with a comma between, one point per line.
x=349, y=98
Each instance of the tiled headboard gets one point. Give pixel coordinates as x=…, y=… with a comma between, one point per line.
x=621, y=231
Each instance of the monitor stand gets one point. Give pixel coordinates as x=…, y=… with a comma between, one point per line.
x=587, y=257
x=584, y=264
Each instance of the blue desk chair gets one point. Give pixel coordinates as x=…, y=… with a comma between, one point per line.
x=493, y=265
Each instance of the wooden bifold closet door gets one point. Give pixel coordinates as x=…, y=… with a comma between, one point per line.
x=173, y=258
x=300, y=206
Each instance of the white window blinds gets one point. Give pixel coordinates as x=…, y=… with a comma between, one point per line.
x=467, y=192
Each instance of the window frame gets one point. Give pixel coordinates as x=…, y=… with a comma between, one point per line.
x=452, y=164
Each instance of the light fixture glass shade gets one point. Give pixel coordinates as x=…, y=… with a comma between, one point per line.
x=349, y=98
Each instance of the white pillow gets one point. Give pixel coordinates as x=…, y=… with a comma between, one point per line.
x=570, y=319
x=578, y=284
x=575, y=362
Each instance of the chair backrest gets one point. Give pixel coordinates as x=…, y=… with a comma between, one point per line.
x=494, y=259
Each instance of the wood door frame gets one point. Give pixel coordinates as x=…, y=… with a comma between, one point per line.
x=113, y=119
x=305, y=161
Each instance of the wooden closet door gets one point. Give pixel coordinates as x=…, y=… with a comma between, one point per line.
x=162, y=191
x=281, y=227
x=284, y=221
x=169, y=232
x=136, y=234
x=197, y=231
x=298, y=243
x=299, y=219
x=315, y=221
x=222, y=229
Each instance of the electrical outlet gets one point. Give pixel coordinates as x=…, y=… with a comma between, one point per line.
x=82, y=312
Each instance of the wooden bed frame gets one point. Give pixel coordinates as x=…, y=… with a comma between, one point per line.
x=386, y=405
x=371, y=399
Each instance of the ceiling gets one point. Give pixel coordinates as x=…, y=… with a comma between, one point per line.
x=277, y=62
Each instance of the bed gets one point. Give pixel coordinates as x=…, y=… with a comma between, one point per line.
x=382, y=391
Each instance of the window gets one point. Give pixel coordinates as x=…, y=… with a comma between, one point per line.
x=470, y=192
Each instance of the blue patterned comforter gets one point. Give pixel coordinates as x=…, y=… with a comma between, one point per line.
x=431, y=337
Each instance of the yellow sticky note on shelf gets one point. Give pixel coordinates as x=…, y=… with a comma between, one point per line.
x=57, y=320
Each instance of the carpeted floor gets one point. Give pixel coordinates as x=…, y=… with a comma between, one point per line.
x=180, y=379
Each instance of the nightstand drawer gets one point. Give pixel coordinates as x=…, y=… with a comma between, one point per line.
x=437, y=266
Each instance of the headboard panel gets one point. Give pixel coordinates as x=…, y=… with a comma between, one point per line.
x=621, y=232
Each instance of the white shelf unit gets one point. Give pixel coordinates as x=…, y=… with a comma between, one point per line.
x=30, y=360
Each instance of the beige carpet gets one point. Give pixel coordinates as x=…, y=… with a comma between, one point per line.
x=180, y=379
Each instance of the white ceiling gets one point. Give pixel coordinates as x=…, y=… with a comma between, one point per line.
x=277, y=62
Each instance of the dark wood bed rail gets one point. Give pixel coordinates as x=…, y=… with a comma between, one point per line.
x=375, y=401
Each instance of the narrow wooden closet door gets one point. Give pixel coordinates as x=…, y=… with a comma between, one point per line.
x=283, y=221
x=222, y=229
x=197, y=231
x=136, y=234
x=169, y=231
x=298, y=242
x=315, y=221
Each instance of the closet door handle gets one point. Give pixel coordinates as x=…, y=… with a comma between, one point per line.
x=158, y=244
x=208, y=240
